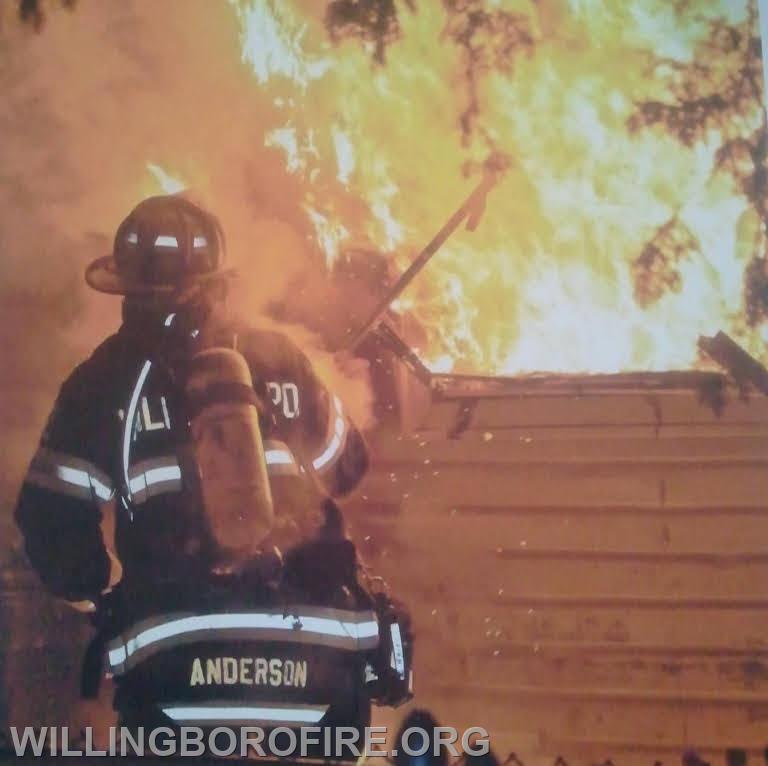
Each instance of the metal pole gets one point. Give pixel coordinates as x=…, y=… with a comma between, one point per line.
x=472, y=208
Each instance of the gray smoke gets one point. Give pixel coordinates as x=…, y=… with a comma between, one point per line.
x=86, y=103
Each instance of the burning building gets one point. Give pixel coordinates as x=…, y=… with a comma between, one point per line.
x=569, y=486
x=584, y=557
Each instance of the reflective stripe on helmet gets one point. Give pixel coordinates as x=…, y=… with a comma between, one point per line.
x=164, y=245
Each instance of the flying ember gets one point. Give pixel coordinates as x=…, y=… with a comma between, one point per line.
x=632, y=217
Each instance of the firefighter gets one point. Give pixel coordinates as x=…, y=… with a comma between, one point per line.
x=123, y=431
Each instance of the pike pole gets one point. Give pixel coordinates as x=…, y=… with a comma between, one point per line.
x=472, y=210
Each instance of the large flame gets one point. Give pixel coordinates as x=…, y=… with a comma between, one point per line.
x=546, y=280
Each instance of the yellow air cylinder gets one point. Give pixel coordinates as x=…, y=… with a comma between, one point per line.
x=229, y=451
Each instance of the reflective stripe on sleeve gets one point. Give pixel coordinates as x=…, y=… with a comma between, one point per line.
x=336, y=628
x=335, y=440
x=69, y=475
x=163, y=474
x=154, y=477
x=279, y=458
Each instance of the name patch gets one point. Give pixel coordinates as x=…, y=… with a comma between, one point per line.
x=249, y=671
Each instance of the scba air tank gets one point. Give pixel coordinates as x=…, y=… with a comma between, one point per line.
x=229, y=451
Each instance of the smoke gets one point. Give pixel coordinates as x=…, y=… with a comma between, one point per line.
x=87, y=103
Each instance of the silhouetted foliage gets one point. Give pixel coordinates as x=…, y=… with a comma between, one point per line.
x=718, y=95
x=495, y=163
x=490, y=40
x=720, y=87
x=655, y=270
x=374, y=22
x=485, y=759
x=756, y=291
x=33, y=11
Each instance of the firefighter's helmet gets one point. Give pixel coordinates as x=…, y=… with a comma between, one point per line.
x=166, y=245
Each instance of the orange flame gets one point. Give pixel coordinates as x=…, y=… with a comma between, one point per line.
x=545, y=283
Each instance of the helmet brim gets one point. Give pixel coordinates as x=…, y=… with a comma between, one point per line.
x=102, y=275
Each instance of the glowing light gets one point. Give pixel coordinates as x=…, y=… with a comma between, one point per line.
x=285, y=138
x=271, y=42
x=330, y=234
x=345, y=155
x=168, y=183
